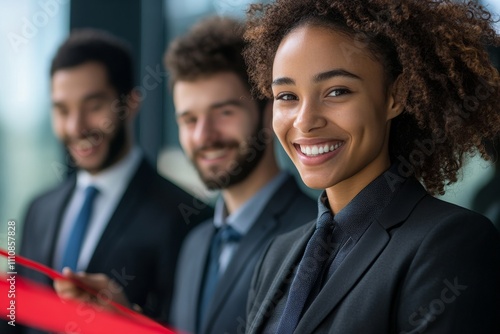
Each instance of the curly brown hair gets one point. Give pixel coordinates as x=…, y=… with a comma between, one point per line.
x=211, y=46
x=437, y=48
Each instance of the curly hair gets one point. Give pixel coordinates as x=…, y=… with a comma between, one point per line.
x=213, y=45
x=437, y=48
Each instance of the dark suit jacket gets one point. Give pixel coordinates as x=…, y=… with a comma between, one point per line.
x=425, y=266
x=288, y=208
x=140, y=245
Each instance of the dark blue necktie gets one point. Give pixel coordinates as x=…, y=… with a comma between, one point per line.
x=317, y=252
x=76, y=237
x=224, y=235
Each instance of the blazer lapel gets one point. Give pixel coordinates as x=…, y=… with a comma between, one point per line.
x=345, y=277
x=123, y=212
x=53, y=221
x=287, y=267
x=362, y=256
x=198, y=263
x=250, y=245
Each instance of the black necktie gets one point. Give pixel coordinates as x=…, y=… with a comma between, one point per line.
x=224, y=235
x=79, y=228
x=317, y=252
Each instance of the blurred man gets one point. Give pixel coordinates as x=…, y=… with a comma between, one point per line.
x=227, y=135
x=114, y=215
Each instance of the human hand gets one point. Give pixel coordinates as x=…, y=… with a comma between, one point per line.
x=97, y=289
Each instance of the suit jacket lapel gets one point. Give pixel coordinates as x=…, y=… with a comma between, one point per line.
x=287, y=267
x=54, y=220
x=199, y=263
x=291, y=261
x=121, y=216
x=362, y=256
x=267, y=221
x=345, y=277
x=246, y=250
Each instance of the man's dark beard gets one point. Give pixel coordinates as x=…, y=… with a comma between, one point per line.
x=243, y=165
x=116, y=146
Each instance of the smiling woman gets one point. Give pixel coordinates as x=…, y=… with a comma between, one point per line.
x=372, y=100
x=339, y=101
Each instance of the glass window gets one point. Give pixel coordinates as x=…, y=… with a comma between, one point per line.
x=477, y=172
x=494, y=7
x=31, y=31
x=172, y=163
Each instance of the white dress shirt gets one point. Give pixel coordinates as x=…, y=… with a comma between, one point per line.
x=111, y=184
x=245, y=217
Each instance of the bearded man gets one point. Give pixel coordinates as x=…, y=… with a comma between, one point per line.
x=113, y=214
x=228, y=136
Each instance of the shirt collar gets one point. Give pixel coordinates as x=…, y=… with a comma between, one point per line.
x=243, y=218
x=366, y=206
x=114, y=177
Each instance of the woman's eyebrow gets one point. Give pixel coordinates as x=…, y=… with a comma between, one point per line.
x=334, y=73
x=318, y=77
x=283, y=81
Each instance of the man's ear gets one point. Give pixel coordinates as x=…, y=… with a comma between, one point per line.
x=396, y=95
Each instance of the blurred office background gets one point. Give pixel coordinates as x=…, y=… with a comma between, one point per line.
x=31, y=30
